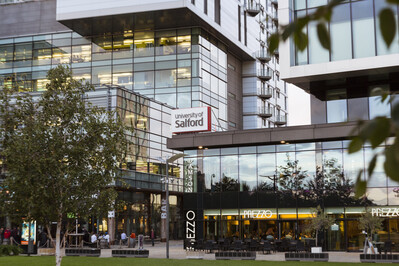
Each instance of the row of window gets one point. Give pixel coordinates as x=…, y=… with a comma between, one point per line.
x=354, y=31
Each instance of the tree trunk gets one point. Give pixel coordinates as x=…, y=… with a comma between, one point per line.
x=58, y=255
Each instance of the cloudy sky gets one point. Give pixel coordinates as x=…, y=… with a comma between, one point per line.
x=298, y=106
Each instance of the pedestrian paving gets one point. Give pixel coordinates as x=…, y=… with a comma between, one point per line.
x=176, y=251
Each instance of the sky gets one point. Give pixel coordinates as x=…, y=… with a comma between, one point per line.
x=298, y=106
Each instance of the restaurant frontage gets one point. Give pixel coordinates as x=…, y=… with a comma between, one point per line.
x=271, y=189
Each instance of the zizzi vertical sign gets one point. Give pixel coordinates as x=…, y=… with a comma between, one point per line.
x=191, y=120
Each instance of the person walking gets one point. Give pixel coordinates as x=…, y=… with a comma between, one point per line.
x=133, y=239
x=152, y=236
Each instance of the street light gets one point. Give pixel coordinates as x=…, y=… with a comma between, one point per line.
x=167, y=161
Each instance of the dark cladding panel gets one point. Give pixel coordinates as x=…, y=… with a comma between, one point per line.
x=358, y=109
x=318, y=111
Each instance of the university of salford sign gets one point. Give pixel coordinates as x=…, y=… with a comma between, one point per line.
x=191, y=120
x=385, y=212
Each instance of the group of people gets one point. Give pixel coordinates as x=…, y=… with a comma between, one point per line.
x=125, y=240
x=10, y=235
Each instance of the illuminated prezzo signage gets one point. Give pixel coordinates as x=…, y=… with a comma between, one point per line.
x=385, y=212
x=191, y=120
x=258, y=214
x=190, y=225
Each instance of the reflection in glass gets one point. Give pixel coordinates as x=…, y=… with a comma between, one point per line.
x=229, y=170
x=363, y=28
x=340, y=31
x=247, y=165
x=212, y=173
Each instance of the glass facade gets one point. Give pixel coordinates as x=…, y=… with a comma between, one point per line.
x=181, y=67
x=280, y=184
x=354, y=31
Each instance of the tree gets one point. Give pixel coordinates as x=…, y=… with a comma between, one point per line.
x=369, y=223
x=375, y=131
x=320, y=221
x=61, y=153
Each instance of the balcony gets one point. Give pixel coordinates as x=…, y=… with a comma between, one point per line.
x=253, y=8
x=264, y=74
x=265, y=112
x=263, y=56
x=280, y=120
x=265, y=93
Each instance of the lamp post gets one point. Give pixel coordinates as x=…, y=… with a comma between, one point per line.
x=167, y=161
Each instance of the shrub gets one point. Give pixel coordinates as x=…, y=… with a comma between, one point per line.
x=9, y=250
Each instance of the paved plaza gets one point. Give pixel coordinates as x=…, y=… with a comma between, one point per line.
x=176, y=251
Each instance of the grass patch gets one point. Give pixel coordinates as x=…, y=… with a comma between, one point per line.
x=78, y=261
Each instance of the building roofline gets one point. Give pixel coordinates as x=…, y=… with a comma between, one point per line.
x=308, y=133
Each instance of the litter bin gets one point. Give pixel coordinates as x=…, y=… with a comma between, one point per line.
x=103, y=243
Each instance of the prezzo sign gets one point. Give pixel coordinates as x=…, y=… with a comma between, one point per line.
x=190, y=225
x=258, y=214
x=191, y=120
x=385, y=212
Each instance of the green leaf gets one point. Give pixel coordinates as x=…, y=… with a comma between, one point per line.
x=372, y=164
x=391, y=165
x=387, y=25
x=301, y=40
x=273, y=42
x=380, y=129
x=395, y=2
x=360, y=188
x=323, y=35
x=355, y=145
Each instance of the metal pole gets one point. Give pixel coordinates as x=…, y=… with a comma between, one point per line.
x=167, y=209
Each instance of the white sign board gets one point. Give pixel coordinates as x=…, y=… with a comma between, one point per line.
x=111, y=214
x=191, y=120
x=385, y=212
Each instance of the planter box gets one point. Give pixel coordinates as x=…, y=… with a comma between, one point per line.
x=88, y=252
x=194, y=254
x=130, y=253
x=235, y=255
x=46, y=251
x=379, y=258
x=306, y=257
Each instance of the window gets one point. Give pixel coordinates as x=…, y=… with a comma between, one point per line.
x=376, y=107
x=363, y=29
x=217, y=11
x=193, y=2
x=340, y=29
x=336, y=106
x=206, y=7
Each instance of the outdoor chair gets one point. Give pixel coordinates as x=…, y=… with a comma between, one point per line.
x=300, y=246
x=210, y=246
x=292, y=246
x=199, y=244
x=238, y=245
x=387, y=247
x=267, y=246
x=285, y=245
x=253, y=245
x=226, y=244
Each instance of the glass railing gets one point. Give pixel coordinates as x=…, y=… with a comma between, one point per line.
x=281, y=119
x=264, y=73
x=265, y=111
x=263, y=55
x=253, y=8
x=265, y=92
